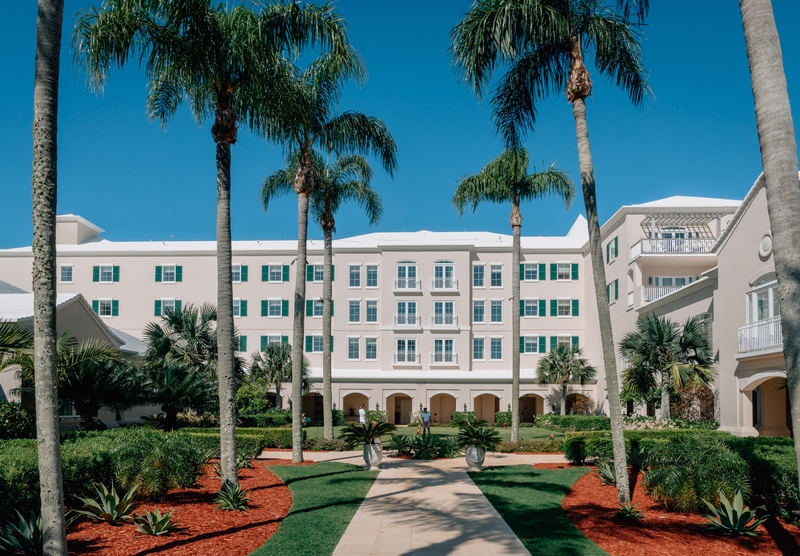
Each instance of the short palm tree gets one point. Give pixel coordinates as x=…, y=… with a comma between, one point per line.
x=175, y=387
x=368, y=433
x=310, y=122
x=228, y=62
x=564, y=365
x=505, y=180
x=187, y=335
x=543, y=44
x=274, y=365
x=663, y=351
x=14, y=339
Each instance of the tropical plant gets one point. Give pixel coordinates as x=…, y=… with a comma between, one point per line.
x=274, y=365
x=229, y=63
x=176, y=387
x=16, y=421
x=232, y=498
x=154, y=523
x=505, y=180
x=629, y=511
x=485, y=438
x=186, y=335
x=425, y=446
x=24, y=537
x=110, y=507
x=662, y=348
x=243, y=461
x=309, y=121
x=565, y=364
x=733, y=519
x=449, y=447
x=606, y=472
x=776, y=138
x=400, y=444
x=542, y=45
x=368, y=433
x=14, y=339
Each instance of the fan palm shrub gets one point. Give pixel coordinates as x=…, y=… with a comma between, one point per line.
x=274, y=365
x=368, y=433
x=563, y=365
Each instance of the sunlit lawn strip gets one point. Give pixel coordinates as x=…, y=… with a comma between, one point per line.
x=325, y=497
x=529, y=500
x=525, y=433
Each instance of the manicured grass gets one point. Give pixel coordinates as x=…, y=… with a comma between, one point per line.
x=325, y=498
x=529, y=500
x=525, y=433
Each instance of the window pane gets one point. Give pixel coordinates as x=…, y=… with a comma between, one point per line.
x=477, y=348
x=372, y=311
x=531, y=344
x=477, y=311
x=564, y=271
x=167, y=306
x=275, y=273
x=168, y=273
x=565, y=341
x=66, y=274
x=497, y=311
x=531, y=272
x=317, y=344
x=355, y=311
x=237, y=305
x=680, y=282
x=762, y=305
x=477, y=276
x=274, y=307
x=352, y=348
x=106, y=273
x=372, y=276
x=236, y=273
x=317, y=308
x=564, y=307
x=531, y=308
x=497, y=348
x=319, y=272
x=496, y=276
x=355, y=276
x=371, y=345
x=666, y=281
x=104, y=308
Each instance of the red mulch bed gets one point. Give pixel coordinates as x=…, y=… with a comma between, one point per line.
x=202, y=528
x=591, y=505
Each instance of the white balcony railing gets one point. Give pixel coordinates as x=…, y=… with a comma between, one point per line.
x=406, y=320
x=406, y=357
x=444, y=320
x=762, y=335
x=444, y=358
x=671, y=246
x=411, y=284
x=651, y=293
x=446, y=284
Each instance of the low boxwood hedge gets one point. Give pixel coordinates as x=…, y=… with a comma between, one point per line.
x=249, y=441
x=574, y=422
x=548, y=446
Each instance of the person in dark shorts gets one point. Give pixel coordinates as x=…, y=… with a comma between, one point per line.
x=426, y=421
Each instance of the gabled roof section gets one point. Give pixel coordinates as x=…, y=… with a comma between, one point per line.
x=5, y=287
x=682, y=201
x=737, y=217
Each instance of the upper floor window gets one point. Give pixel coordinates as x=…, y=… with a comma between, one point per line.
x=669, y=281
x=496, y=351
x=239, y=273
x=239, y=308
x=275, y=273
x=497, y=311
x=443, y=275
x=352, y=348
x=370, y=349
x=105, y=273
x=168, y=273
x=496, y=276
x=354, y=313
x=478, y=276
x=372, y=276
x=564, y=271
x=65, y=274
x=319, y=272
x=478, y=311
x=372, y=311
x=674, y=232
x=530, y=271
x=443, y=312
x=355, y=276
x=443, y=351
x=406, y=312
x=407, y=275
x=612, y=249
x=763, y=302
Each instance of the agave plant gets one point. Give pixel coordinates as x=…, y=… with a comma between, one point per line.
x=232, y=497
x=735, y=518
x=365, y=434
x=449, y=447
x=629, y=511
x=480, y=437
x=154, y=523
x=110, y=508
x=400, y=443
x=606, y=472
x=23, y=537
x=426, y=446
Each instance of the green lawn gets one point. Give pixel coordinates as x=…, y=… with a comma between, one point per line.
x=529, y=500
x=525, y=433
x=325, y=498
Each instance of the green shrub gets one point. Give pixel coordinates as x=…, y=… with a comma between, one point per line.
x=502, y=419
x=338, y=418
x=400, y=444
x=232, y=498
x=249, y=441
x=154, y=523
x=461, y=418
x=733, y=518
x=273, y=418
x=23, y=537
x=110, y=506
x=251, y=397
x=547, y=446
x=376, y=416
x=575, y=422
x=16, y=421
x=425, y=446
x=449, y=447
x=335, y=445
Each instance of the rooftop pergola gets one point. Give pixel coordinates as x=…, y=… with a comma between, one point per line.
x=697, y=224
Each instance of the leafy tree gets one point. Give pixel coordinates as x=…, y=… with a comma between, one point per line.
x=504, y=180
x=779, y=159
x=660, y=350
x=229, y=63
x=563, y=365
x=543, y=44
x=310, y=121
x=274, y=365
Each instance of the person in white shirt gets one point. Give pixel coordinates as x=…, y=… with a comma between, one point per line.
x=426, y=421
x=362, y=416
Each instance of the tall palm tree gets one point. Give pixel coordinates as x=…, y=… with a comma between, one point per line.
x=660, y=350
x=504, y=180
x=563, y=365
x=543, y=43
x=49, y=18
x=347, y=179
x=310, y=122
x=274, y=365
x=227, y=62
x=779, y=160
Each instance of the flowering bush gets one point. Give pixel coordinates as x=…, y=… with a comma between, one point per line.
x=16, y=421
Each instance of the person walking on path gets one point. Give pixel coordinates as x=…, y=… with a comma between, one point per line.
x=426, y=421
x=362, y=416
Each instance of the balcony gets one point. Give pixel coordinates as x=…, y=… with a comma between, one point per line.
x=407, y=285
x=444, y=321
x=445, y=358
x=760, y=336
x=651, y=293
x=407, y=320
x=444, y=285
x=406, y=358
x=674, y=246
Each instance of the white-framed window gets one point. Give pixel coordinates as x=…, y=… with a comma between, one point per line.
x=564, y=307
x=406, y=312
x=355, y=275
x=443, y=275
x=406, y=350
x=275, y=273
x=497, y=311
x=478, y=309
x=496, y=276
x=107, y=273
x=443, y=312
x=612, y=250
x=353, y=349
x=763, y=302
x=319, y=272
x=670, y=281
x=612, y=291
x=496, y=349
x=564, y=341
x=530, y=272
x=274, y=308
x=443, y=351
x=354, y=311
x=316, y=308
x=236, y=273
x=316, y=344
x=530, y=344
x=167, y=273
x=477, y=349
x=167, y=307
x=104, y=307
x=372, y=311
x=372, y=276
x=65, y=274
x=270, y=341
x=564, y=271
x=478, y=276
x=239, y=308
x=407, y=275
x=530, y=307
x=371, y=349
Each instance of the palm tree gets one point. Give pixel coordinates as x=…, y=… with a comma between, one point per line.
x=565, y=364
x=14, y=339
x=503, y=180
x=779, y=160
x=176, y=386
x=228, y=62
x=274, y=365
x=543, y=44
x=308, y=122
x=662, y=349
x=187, y=335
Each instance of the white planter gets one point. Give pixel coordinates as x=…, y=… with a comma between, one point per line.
x=373, y=454
x=474, y=457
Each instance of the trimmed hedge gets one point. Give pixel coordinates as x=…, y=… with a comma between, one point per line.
x=574, y=422
x=338, y=418
x=502, y=419
x=548, y=446
x=16, y=421
x=249, y=441
x=269, y=420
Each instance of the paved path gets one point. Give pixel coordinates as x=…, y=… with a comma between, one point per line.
x=427, y=508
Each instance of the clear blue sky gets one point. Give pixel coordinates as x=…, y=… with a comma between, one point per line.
x=140, y=182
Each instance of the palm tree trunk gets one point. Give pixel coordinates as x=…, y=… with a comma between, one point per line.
x=44, y=184
x=225, y=332
x=563, y=398
x=299, y=329
x=516, y=228
x=278, y=404
x=327, y=295
x=665, y=388
x=603, y=313
x=779, y=160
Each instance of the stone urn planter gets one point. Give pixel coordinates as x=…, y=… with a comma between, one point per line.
x=474, y=456
x=373, y=455
x=369, y=436
x=476, y=438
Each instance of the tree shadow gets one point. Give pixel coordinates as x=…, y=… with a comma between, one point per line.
x=786, y=542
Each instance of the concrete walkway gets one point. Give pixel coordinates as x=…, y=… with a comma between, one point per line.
x=428, y=508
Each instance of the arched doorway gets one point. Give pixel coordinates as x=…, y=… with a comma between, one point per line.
x=770, y=408
x=442, y=408
x=399, y=408
x=486, y=405
x=578, y=404
x=351, y=404
x=530, y=405
x=312, y=407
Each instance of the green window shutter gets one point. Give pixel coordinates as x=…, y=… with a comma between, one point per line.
x=114, y=307
x=553, y=342
x=244, y=273
x=243, y=308
x=265, y=273
x=95, y=274
x=542, y=271
x=616, y=246
x=522, y=344
x=242, y=343
x=616, y=289
x=333, y=272
x=309, y=344
x=608, y=293
x=158, y=274
x=309, y=308
x=115, y=271
x=542, y=344
x=285, y=270
x=553, y=271
x=574, y=271
x=96, y=305
x=331, y=307
x=263, y=343
x=264, y=307
x=331, y=340
x=522, y=307
x=309, y=273
x=284, y=339
x=179, y=273
x=542, y=308
x=177, y=305
x=158, y=308
x=608, y=250
x=521, y=271
x=575, y=341
x=575, y=308
x=284, y=307
x=553, y=307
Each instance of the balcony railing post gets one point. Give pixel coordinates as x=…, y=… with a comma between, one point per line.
x=761, y=335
